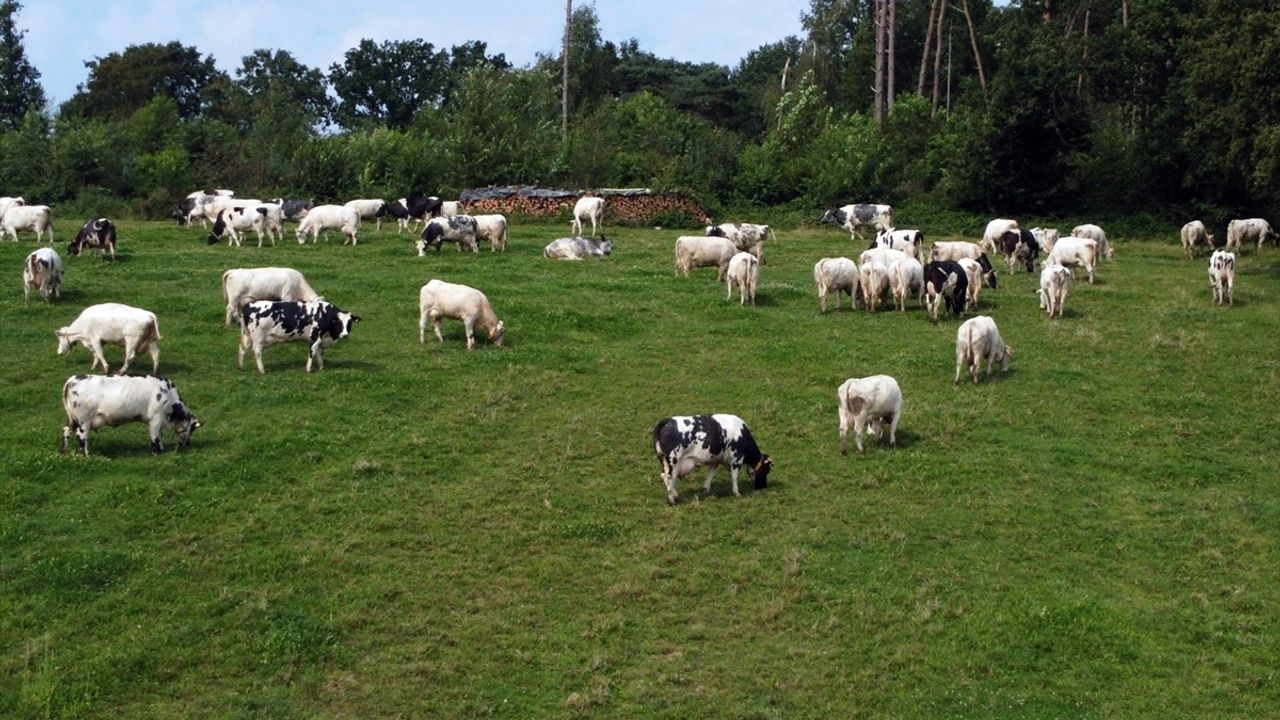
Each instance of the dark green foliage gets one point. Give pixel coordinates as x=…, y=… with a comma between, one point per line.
x=123, y=82
x=388, y=83
x=20, y=88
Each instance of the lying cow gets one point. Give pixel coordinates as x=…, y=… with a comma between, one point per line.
x=686, y=442
x=439, y=299
x=329, y=217
x=96, y=233
x=1075, y=252
x=577, y=248
x=852, y=217
x=837, y=275
x=1194, y=235
x=743, y=272
x=587, y=208
x=945, y=280
x=92, y=401
x=1222, y=276
x=1250, y=230
x=36, y=218
x=42, y=271
x=264, y=323
x=1055, y=283
x=866, y=404
x=242, y=285
x=133, y=328
x=978, y=340
x=460, y=229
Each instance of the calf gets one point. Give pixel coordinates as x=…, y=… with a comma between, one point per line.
x=977, y=340
x=242, y=285
x=852, y=217
x=264, y=323
x=1194, y=235
x=686, y=442
x=577, y=248
x=1055, y=283
x=36, y=218
x=1075, y=252
x=837, y=275
x=133, y=328
x=1093, y=232
x=874, y=278
x=867, y=403
x=744, y=272
x=946, y=279
x=910, y=242
x=460, y=229
x=439, y=299
x=42, y=271
x=700, y=251
x=96, y=233
x=370, y=209
x=494, y=229
x=1250, y=230
x=587, y=208
x=92, y=401
x=1222, y=276
x=906, y=279
x=329, y=217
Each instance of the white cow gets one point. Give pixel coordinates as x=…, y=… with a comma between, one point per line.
x=9, y=202
x=329, y=217
x=36, y=218
x=1047, y=237
x=1250, y=230
x=1055, y=283
x=867, y=403
x=874, y=278
x=92, y=401
x=577, y=248
x=439, y=299
x=493, y=228
x=906, y=279
x=1075, y=252
x=887, y=256
x=42, y=271
x=115, y=324
x=214, y=204
x=1194, y=235
x=587, y=208
x=450, y=208
x=973, y=271
x=748, y=237
x=243, y=285
x=977, y=340
x=837, y=275
x=700, y=251
x=744, y=272
x=995, y=230
x=368, y=209
x=1222, y=276
x=1093, y=232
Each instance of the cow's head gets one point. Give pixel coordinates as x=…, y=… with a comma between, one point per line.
x=1006, y=354
x=760, y=473
x=219, y=227
x=184, y=423
x=497, y=333
x=606, y=245
x=74, y=247
x=64, y=340
x=346, y=321
x=301, y=235
x=831, y=216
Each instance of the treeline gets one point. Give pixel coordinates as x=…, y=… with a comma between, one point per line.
x=1042, y=106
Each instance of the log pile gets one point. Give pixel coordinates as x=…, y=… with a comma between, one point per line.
x=629, y=206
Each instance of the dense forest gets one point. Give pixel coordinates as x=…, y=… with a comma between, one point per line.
x=1042, y=106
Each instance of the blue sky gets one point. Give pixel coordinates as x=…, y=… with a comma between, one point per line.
x=62, y=34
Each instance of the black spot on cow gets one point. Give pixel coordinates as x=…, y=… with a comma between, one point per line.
x=716, y=231
x=864, y=213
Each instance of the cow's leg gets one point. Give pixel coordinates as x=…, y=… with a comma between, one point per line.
x=435, y=323
x=733, y=479
x=156, y=427
x=422, y=327
x=130, y=351
x=711, y=476
x=893, y=429
x=728, y=289
x=257, y=356
x=469, y=323
x=859, y=426
x=844, y=428
x=153, y=349
x=95, y=347
x=244, y=345
x=66, y=438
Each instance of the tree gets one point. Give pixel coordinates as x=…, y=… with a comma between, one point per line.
x=122, y=82
x=757, y=84
x=278, y=75
x=388, y=83
x=19, y=82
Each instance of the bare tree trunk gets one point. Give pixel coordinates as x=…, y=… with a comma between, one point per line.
x=1124, y=13
x=928, y=45
x=880, y=28
x=1085, y=58
x=892, y=31
x=564, y=80
x=937, y=61
x=786, y=68
x=1048, y=11
x=977, y=56
x=949, y=39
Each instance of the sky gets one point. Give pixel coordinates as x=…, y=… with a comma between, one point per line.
x=63, y=34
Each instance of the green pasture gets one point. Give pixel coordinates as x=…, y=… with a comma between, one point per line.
x=419, y=531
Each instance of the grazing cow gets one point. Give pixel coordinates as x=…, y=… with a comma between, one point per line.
x=329, y=217
x=242, y=285
x=209, y=210
x=977, y=340
x=234, y=221
x=1250, y=230
x=421, y=208
x=686, y=442
x=946, y=279
x=460, y=229
x=1075, y=252
x=1193, y=236
x=1055, y=283
x=747, y=237
x=910, y=242
x=591, y=208
x=10, y=202
x=1222, y=276
x=92, y=401
x=294, y=210
x=852, y=217
x=943, y=251
x=874, y=278
x=133, y=328
x=906, y=279
x=42, y=271
x=494, y=228
x=744, y=272
x=1093, y=232
x=264, y=323
x=1046, y=237
x=996, y=230
x=882, y=255
x=450, y=208
x=369, y=209
x=1018, y=245
x=439, y=299
x=36, y=218
x=577, y=248
x=190, y=207
x=837, y=275
x=973, y=274
x=96, y=233
x=701, y=251
x=867, y=403
x=398, y=210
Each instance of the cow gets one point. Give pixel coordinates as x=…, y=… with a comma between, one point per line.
x=884, y=255
x=874, y=278
x=494, y=229
x=369, y=209
x=209, y=210
x=701, y=251
x=577, y=248
x=450, y=208
x=1075, y=251
x=943, y=251
x=978, y=340
x=234, y=221
x=995, y=230
x=837, y=275
x=1055, y=283
x=42, y=271
x=910, y=242
x=398, y=210
x=36, y=218
x=10, y=202
x=748, y=237
x=973, y=274
x=97, y=233
x=1222, y=276
x=852, y=217
x=1046, y=237
x=1250, y=230
x=264, y=323
x=439, y=299
x=1194, y=235
x=587, y=208
x=295, y=210
x=460, y=229
x=686, y=442
x=329, y=217
x=191, y=206
x=1093, y=232
x=744, y=272
x=1017, y=245
x=906, y=279
x=945, y=280
x=92, y=401
x=133, y=328
x=242, y=285
x=866, y=404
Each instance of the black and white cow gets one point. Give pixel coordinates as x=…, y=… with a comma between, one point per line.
x=264, y=323
x=96, y=233
x=686, y=442
x=1019, y=244
x=459, y=229
x=945, y=279
x=92, y=401
x=295, y=210
x=852, y=217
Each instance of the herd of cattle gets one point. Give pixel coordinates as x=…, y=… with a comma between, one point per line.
x=276, y=305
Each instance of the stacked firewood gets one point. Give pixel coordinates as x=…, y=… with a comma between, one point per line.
x=623, y=207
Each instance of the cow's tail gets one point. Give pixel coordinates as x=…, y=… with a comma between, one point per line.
x=153, y=331
x=33, y=265
x=226, y=296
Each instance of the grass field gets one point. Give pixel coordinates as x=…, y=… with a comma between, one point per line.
x=422, y=532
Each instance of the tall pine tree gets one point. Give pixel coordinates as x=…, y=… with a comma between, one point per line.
x=19, y=81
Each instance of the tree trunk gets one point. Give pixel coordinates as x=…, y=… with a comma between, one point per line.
x=786, y=68
x=928, y=45
x=892, y=31
x=1124, y=13
x=937, y=61
x=879, y=64
x=1084, y=40
x=973, y=40
x=564, y=80
x=1048, y=11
